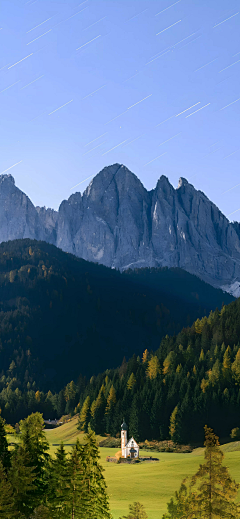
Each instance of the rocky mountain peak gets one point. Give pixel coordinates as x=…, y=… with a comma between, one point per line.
x=118, y=223
x=182, y=182
x=7, y=180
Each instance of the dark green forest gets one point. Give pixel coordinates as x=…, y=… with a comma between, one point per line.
x=192, y=379
x=62, y=317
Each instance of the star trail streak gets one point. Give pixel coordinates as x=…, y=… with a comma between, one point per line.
x=31, y=82
x=168, y=27
x=10, y=86
x=197, y=110
x=230, y=104
x=114, y=147
x=94, y=23
x=10, y=167
x=205, y=65
x=168, y=8
x=139, y=102
x=188, y=109
x=95, y=139
x=229, y=66
x=83, y=181
x=89, y=151
x=154, y=159
x=60, y=107
x=39, y=24
x=169, y=139
x=93, y=92
x=225, y=20
x=20, y=60
x=89, y=42
x=39, y=37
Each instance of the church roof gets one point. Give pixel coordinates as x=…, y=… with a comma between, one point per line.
x=132, y=443
x=124, y=426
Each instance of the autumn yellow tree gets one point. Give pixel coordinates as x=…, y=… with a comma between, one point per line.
x=153, y=368
x=131, y=381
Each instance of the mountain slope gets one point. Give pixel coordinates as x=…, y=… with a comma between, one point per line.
x=61, y=316
x=118, y=223
x=192, y=379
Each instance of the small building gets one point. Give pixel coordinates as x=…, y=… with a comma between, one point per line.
x=128, y=448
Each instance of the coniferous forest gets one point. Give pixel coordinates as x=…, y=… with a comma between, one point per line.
x=63, y=319
x=169, y=391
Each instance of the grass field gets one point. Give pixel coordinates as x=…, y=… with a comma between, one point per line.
x=152, y=484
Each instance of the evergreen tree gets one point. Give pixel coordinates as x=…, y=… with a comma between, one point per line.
x=7, y=505
x=211, y=492
x=96, y=499
x=216, y=489
x=75, y=500
x=22, y=477
x=136, y=511
x=84, y=416
x=59, y=485
x=134, y=420
x=5, y=457
x=175, y=426
x=131, y=381
x=36, y=446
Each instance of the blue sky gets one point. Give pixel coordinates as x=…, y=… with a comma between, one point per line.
x=148, y=60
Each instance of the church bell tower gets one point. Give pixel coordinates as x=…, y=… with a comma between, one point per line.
x=123, y=438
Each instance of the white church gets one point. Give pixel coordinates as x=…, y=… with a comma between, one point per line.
x=128, y=448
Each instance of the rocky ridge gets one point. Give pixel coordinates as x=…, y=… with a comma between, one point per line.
x=118, y=223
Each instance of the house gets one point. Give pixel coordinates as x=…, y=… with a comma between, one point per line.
x=128, y=448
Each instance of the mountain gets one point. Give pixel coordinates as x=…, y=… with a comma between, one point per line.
x=61, y=316
x=118, y=223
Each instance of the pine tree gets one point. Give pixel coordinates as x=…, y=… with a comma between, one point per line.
x=7, y=505
x=134, y=419
x=216, y=489
x=131, y=381
x=110, y=410
x=59, y=485
x=111, y=399
x=175, y=426
x=96, y=499
x=236, y=367
x=22, y=477
x=145, y=356
x=211, y=492
x=75, y=501
x=153, y=368
x=5, y=456
x=84, y=416
x=98, y=411
x=35, y=444
x=136, y=511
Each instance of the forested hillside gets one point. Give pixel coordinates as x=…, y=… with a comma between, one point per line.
x=192, y=379
x=61, y=316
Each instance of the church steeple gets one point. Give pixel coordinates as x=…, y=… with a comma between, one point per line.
x=124, y=426
x=123, y=438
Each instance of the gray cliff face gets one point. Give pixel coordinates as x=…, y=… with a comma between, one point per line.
x=118, y=223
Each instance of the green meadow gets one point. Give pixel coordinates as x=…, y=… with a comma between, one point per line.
x=153, y=484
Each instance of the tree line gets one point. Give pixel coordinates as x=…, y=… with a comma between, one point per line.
x=35, y=485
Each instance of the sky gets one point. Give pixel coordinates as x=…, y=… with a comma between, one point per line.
x=151, y=84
